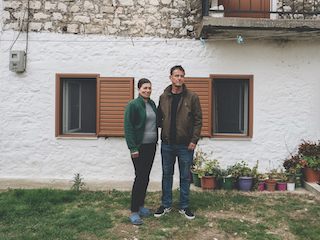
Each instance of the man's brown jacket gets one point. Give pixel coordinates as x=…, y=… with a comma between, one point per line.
x=189, y=117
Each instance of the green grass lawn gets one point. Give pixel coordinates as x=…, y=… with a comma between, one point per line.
x=58, y=214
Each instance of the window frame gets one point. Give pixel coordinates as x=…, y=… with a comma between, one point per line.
x=59, y=103
x=250, y=105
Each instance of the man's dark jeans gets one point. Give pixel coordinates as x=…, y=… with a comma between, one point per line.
x=185, y=158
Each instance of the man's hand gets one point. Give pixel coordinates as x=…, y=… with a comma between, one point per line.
x=191, y=146
x=135, y=154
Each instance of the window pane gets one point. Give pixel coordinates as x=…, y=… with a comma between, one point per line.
x=231, y=106
x=88, y=106
x=74, y=106
x=79, y=106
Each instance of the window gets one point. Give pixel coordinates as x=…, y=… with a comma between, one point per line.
x=227, y=105
x=87, y=105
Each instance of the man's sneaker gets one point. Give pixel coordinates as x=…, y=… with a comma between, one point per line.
x=187, y=213
x=161, y=211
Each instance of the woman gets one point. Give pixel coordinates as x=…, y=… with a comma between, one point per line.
x=141, y=134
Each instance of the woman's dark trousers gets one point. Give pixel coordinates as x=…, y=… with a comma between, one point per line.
x=142, y=166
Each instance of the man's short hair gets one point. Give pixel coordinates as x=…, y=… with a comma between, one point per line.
x=177, y=67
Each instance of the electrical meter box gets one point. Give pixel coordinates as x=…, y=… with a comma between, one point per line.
x=17, y=61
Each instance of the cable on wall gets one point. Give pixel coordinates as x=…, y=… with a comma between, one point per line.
x=21, y=24
x=27, y=38
x=13, y=66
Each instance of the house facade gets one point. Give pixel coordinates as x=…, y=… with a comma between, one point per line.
x=61, y=111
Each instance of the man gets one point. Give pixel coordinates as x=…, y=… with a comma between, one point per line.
x=180, y=118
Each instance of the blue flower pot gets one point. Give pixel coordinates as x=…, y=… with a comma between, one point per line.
x=245, y=183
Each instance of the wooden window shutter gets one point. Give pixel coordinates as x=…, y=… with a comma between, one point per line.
x=202, y=87
x=113, y=95
x=257, y=9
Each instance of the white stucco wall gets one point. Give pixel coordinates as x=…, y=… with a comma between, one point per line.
x=286, y=99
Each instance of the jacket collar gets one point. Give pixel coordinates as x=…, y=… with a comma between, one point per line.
x=141, y=99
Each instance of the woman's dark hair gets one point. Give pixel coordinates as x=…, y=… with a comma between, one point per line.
x=143, y=81
x=177, y=67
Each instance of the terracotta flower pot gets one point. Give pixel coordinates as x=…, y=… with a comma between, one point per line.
x=311, y=175
x=271, y=185
x=208, y=182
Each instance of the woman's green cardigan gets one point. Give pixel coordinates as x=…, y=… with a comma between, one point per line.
x=135, y=121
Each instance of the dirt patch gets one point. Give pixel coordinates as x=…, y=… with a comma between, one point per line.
x=213, y=234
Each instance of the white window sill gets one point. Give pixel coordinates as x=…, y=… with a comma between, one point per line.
x=230, y=139
x=78, y=138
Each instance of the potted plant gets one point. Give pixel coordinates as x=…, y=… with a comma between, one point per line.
x=311, y=169
x=208, y=173
x=255, y=177
x=290, y=182
x=309, y=153
x=261, y=180
x=225, y=178
x=247, y=178
x=271, y=182
x=294, y=169
x=199, y=158
x=281, y=183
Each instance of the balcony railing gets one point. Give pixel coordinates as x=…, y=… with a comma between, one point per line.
x=277, y=9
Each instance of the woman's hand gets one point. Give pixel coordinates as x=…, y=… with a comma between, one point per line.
x=135, y=154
